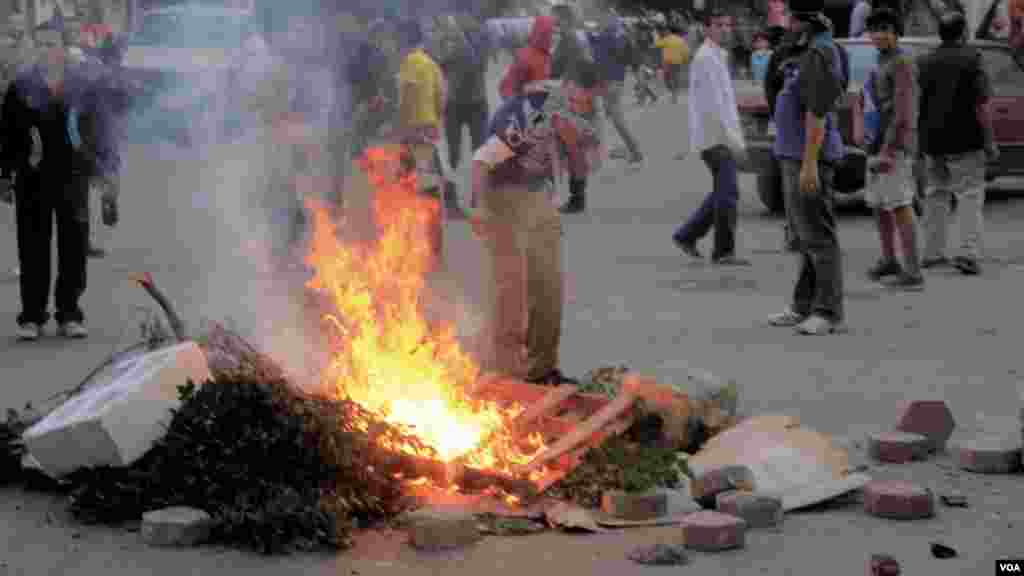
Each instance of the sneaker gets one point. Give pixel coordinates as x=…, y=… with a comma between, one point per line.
x=787, y=318
x=553, y=378
x=73, y=330
x=688, y=248
x=967, y=265
x=884, y=268
x=575, y=205
x=907, y=281
x=817, y=325
x=730, y=260
x=28, y=331
x=939, y=262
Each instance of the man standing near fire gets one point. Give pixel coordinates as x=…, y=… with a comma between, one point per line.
x=513, y=213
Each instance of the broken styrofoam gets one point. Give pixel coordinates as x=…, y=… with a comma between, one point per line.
x=119, y=415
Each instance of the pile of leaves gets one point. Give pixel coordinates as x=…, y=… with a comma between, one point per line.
x=630, y=462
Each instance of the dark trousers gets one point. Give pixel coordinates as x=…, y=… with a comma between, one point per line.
x=472, y=114
x=38, y=204
x=812, y=224
x=719, y=207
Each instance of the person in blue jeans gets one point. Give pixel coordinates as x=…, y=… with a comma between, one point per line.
x=716, y=134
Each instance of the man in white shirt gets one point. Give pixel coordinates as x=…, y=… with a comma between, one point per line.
x=715, y=133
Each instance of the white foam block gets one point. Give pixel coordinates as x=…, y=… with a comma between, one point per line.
x=119, y=415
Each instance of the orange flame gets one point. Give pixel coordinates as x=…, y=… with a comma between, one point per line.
x=388, y=357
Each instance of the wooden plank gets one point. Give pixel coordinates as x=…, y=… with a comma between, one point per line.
x=545, y=406
x=583, y=432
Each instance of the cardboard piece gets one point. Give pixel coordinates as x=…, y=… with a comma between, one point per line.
x=801, y=465
x=121, y=413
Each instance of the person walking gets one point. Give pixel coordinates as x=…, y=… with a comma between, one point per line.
x=514, y=216
x=532, y=63
x=956, y=145
x=674, y=55
x=612, y=53
x=891, y=187
x=56, y=139
x=463, y=60
x=859, y=18
x=807, y=146
x=716, y=134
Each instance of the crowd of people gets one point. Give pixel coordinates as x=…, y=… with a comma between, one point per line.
x=427, y=77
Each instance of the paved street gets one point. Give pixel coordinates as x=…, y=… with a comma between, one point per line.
x=634, y=299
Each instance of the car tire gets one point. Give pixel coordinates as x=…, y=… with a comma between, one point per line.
x=769, y=186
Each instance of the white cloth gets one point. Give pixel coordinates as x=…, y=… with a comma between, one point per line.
x=714, y=119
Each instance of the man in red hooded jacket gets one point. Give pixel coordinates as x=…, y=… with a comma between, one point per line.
x=533, y=62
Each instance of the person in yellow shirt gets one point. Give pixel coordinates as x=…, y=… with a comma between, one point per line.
x=674, y=55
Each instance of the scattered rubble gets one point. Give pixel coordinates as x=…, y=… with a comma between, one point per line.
x=571, y=518
x=883, y=565
x=954, y=500
x=509, y=526
x=931, y=419
x=898, y=447
x=756, y=509
x=176, y=526
x=714, y=482
x=941, y=551
x=709, y=531
x=660, y=555
x=990, y=455
x=634, y=505
x=441, y=528
x=898, y=500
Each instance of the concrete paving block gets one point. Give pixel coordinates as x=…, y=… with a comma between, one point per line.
x=898, y=447
x=176, y=526
x=708, y=485
x=898, y=500
x=883, y=565
x=990, y=455
x=929, y=418
x=756, y=509
x=709, y=531
x=634, y=506
x=120, y=415
x=441, y=528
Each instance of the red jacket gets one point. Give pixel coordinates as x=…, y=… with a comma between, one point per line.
x=533, y=63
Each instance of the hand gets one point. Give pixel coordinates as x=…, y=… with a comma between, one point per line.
x=809, y=178
x=376, y=103
x=6, y=191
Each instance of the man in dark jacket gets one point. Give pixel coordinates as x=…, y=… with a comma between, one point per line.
x=56, y=138
x=955, y=145
x=807, y=146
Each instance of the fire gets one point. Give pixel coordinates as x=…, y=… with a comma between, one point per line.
x=388, y=357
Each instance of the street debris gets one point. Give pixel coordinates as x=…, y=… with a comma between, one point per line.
x=634, y=505
x=757, y=509
x=990, y=455
x=605, y=380
x=709, y=531
x=883, y=565
x=508, y=526
x=954, y=500
x=931, y=419
x=441, y=528
x=941, y=551
x=175, y=526
x=714, y=482
x=660, y=555
x=898, y=447
x=572, y=518
x=898, y=500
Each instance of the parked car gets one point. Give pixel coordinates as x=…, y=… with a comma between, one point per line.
x=1007, y=76
x=181, y=60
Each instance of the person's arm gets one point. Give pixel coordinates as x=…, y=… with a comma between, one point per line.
x=485, y=159
x=728, y=115
x=983, y=109
x=900, y=130
x=820, y=91
x=13, y=111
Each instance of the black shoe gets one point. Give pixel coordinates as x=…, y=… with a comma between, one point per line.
x=575, y=205
x=884, y=268
x=730, y=260
x=940, y=262
x=553, y=378
x=966, y=265
x=688, y=248
x=907, y=281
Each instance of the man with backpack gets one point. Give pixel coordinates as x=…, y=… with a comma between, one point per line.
x=808, y=146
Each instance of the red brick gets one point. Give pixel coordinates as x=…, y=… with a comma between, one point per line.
x=898, y=447
x=758, y=510
x=929, y=418
x=709, y=531
x=883, y=565
x=990, y=455
x=898, y=500
x=634, y=506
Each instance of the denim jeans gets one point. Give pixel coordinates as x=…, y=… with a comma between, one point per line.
x=812, y=221
x=719, y=207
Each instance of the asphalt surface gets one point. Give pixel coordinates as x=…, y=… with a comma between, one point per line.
x=633, y=298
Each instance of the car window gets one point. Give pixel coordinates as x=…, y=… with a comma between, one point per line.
x=189, y=31
x=1004, y=72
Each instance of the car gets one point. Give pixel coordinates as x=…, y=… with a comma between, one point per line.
x=1007, y=77
x=182, y=60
